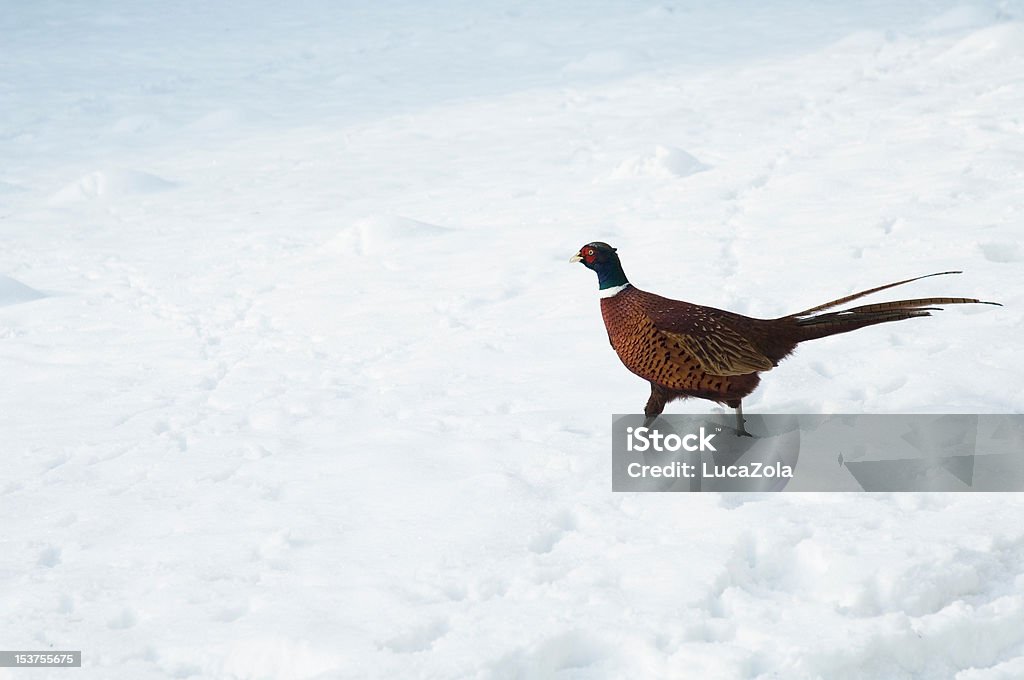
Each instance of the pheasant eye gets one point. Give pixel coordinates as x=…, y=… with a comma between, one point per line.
x=590, y=251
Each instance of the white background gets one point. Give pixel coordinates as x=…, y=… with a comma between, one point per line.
x=296, y=380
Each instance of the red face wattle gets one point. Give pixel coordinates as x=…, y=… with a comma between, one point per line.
x=587, y=254
x=594, y=254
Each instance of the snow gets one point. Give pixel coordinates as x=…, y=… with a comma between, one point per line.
x=663, y=162
x=104, y=185
x=13, y=292
x=298, y=382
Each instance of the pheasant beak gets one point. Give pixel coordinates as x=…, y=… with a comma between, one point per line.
x=576, y=258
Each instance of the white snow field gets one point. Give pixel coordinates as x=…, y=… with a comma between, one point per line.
x=296, y=380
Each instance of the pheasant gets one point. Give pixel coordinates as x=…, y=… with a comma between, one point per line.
x=688, y=350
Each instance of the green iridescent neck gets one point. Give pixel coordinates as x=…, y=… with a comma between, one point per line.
x=610, y=275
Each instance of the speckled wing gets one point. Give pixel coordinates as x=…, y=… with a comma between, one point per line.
x=717, y=347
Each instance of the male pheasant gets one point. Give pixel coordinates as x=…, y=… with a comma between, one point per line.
x=688, y=350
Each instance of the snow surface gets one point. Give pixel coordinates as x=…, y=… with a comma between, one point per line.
x=297, y=381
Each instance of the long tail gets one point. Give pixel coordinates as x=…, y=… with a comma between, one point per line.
x=812, y=325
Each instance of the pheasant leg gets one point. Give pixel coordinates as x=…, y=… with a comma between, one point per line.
x=655, y=405
x=741, y=430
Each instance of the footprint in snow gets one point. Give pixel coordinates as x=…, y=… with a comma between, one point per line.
x=563, y=522
x=545, y=542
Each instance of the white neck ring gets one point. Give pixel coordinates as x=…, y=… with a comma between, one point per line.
x=612, y=292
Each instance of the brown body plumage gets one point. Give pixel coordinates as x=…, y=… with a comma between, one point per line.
x=688, y=350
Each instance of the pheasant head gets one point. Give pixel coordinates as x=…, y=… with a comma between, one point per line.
x=601, y=258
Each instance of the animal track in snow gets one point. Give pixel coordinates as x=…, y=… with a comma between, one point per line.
x=544, y=542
